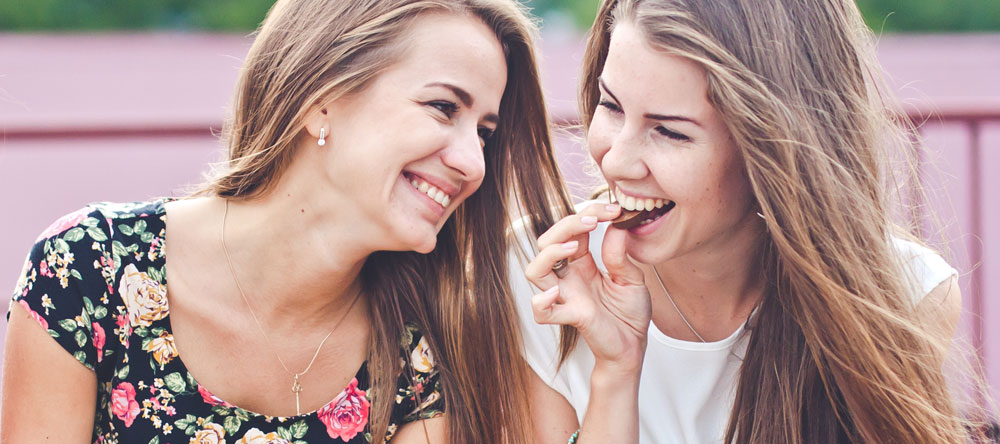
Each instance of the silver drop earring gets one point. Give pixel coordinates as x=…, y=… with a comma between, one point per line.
x=322, y=137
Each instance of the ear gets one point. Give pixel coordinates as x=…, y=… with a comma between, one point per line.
x=318, y=117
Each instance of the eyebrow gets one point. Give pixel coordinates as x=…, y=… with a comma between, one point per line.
x=661, y=117
x=465, y=98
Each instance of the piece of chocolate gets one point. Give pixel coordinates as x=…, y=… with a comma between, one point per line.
x=629, y=219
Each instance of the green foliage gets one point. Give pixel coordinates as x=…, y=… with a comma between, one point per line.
x=245, y=15
x=94, y=15
x=931, y=15
x=579, y=13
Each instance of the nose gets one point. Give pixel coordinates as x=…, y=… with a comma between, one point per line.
x=623, y=159
x=464, y=155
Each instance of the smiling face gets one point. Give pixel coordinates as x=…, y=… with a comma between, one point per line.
x=660, y=144
x=405, y=151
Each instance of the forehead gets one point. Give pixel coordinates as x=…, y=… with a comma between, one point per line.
x=636, y=72
x=452, y=48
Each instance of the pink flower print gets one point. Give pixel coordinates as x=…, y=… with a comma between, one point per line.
x=44, y=270
x=34, y=315
x=99, y=339
x=347, y=414
x=121, y=321
x=64, y=223
x=123, y=404
x=211, y=399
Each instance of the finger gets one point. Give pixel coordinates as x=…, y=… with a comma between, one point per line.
x=541, y=303
x=548, y=308
x=539, y=270
x=576, y=225
x=621, y=269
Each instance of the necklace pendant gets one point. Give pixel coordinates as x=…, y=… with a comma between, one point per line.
x=297, y=388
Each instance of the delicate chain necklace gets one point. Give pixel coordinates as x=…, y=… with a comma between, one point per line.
x=660, y=280
x=296, y=385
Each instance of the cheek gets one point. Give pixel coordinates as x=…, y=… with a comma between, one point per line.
x=732, y=191
x=472, y=188
x=738, y=191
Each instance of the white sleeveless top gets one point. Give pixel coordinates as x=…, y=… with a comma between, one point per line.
x=687, y=388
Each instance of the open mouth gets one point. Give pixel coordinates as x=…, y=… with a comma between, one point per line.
x=638, y=211
x=431, y=191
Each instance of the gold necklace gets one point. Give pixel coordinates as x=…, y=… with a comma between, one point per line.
x=660, y=280
x=296, y=385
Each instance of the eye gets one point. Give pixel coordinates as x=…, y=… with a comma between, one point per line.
x=611, y=106
x=672, y=134
x=447, y=108
x=485, y=134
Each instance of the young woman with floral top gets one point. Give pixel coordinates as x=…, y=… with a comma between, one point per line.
x=329, y=285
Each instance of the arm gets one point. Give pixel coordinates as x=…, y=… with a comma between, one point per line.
x=553, y=418
x=47, y=394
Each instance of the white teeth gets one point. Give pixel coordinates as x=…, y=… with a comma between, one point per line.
x=431, y=191
x=637, y=203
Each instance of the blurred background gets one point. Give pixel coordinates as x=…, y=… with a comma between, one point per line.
x=118, y=100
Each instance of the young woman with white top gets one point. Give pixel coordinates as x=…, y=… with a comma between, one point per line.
x=767, y=296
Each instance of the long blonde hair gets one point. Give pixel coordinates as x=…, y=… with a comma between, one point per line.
x=313, y=51
x=835, y=354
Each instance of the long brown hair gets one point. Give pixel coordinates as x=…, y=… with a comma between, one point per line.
x=312, y=51
x=835, y=354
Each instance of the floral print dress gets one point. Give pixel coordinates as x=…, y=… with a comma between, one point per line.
x=95, y=280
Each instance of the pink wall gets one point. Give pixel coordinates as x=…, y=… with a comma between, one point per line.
x=127, y=117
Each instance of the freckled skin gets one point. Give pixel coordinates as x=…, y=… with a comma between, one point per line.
x=701, y=172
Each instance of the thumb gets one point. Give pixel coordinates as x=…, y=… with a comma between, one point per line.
x=621, y=269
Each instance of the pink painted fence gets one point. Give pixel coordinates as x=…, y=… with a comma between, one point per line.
x=129, y=117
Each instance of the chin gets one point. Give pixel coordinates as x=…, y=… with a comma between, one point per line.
x=426, y=248
x=422, y=243
x=647, y=253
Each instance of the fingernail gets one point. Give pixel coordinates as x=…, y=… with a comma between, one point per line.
x=571, y=245
x=611, y=208
x=552, y=291
x=588, y=220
